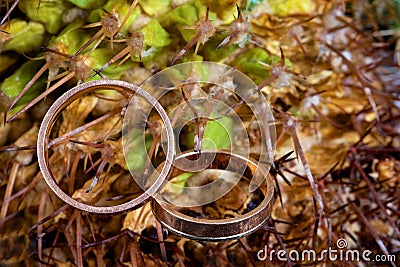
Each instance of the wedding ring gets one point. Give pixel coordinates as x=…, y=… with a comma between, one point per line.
x=172, y=217
x=43, y=143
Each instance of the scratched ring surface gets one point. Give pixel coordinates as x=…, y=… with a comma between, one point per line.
x=216, y=229
x=66, y=99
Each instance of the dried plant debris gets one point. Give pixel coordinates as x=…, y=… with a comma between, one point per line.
x=330, y=70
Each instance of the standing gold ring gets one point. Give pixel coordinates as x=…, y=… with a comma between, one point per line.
x=66, y=99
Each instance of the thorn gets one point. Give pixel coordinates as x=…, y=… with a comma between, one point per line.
x=93, y=184
x=98, y=72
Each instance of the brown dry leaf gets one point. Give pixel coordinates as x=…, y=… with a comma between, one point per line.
x=29, y=138
x=389, y=169
x=76, y=113
x=381, y=227
x=139, y=219
x=319, y=78
x=322, y=157
x=101, y=189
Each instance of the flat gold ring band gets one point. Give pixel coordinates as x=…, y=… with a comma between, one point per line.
x=222, y=229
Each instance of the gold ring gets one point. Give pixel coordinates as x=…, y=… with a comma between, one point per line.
x=173, y=218
x=66, y=99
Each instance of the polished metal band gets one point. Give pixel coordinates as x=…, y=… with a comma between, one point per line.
x=66, y=99
x=210, y=229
